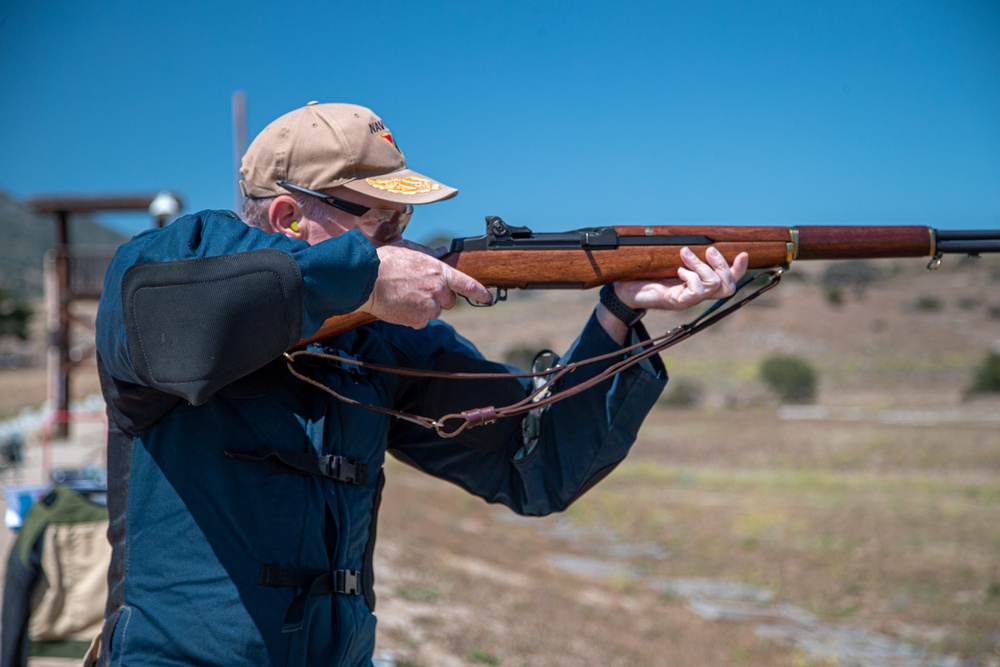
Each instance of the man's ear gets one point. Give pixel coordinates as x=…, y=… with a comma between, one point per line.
x=285, y=217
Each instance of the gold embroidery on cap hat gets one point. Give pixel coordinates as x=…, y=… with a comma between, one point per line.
x=404, y=186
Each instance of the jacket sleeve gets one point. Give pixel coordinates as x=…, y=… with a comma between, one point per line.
x=582, y=438
x=206, y=300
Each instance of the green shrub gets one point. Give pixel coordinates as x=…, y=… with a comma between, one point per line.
x=850, y=272
x=853, y=274
x=15, y=315
x=682, y=393
x=418, y=594
x=475, y=655
x=793, y=379
x=986, y=377
x=928, y=303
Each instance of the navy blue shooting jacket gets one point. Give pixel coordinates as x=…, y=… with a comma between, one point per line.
x=243, y=501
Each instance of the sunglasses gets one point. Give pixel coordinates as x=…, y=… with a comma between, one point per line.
x=367, y=216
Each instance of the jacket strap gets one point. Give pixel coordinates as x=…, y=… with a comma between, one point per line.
x=338, y=468
x=312, y=582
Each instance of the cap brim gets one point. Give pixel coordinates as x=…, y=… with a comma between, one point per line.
x=404, y=186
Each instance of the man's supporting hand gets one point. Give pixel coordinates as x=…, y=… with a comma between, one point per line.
x=696, y=281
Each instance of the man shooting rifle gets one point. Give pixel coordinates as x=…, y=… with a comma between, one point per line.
x=243, y=500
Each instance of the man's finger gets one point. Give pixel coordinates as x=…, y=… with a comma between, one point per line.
x=692, y=280
x=469, y=287
x=447, y=300
x=710, y=278
x=740, y=265
x=722, y=270
x=717, y=260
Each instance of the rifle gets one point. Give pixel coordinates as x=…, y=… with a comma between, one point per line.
x=508, y=257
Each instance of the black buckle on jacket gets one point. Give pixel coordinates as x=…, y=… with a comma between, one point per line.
x=346, y=582
x=344, y=470
x=313, y=582
x=335, y=467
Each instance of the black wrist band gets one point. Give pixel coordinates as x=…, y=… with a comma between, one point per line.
x=615, y=306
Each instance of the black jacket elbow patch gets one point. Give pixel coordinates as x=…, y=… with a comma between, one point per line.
x=194, y=326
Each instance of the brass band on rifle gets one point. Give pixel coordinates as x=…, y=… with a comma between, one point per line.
x=792, y=247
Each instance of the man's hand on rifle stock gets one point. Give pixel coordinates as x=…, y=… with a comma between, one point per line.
x=413, y=286
x=696, y=281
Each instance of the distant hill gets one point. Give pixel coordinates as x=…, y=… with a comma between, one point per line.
x=26, y=238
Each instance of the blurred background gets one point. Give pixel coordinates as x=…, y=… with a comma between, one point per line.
x=818, y=485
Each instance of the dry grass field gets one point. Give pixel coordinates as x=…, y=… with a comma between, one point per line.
x=863, y=529
x=874, y=513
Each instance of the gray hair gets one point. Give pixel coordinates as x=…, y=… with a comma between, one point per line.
x=255, y=210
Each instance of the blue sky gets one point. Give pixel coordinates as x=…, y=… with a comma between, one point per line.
x=553, y=115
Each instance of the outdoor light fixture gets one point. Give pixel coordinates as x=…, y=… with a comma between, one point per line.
x=163, y=207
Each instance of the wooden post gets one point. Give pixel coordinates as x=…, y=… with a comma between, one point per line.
x=58, y=287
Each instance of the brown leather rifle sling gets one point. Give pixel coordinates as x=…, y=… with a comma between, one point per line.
x=543, y=395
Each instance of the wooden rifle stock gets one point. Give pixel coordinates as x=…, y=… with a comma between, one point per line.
x=515, y=257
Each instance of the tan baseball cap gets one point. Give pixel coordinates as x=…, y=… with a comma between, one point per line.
x=322, y=146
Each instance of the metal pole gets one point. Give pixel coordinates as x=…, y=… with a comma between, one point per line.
x=239, y=144
x=61, y=385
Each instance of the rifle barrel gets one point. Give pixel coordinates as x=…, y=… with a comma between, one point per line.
x=968, y=241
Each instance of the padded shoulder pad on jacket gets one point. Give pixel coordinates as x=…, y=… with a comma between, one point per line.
x=196, y=325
